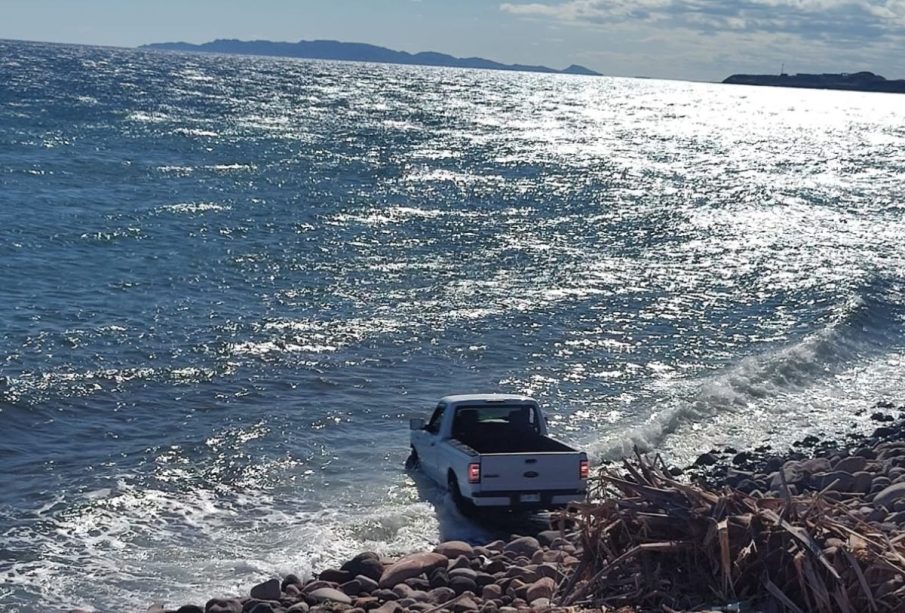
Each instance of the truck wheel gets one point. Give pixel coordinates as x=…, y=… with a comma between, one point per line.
x=465, y=506
x=412, y=461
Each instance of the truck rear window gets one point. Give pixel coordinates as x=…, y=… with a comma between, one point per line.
x=472, y=421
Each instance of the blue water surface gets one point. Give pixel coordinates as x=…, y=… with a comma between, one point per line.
x=226, y=282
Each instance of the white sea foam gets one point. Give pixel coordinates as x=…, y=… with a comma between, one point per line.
x=146, y=117
x=231, y=167
x=195, y=207
x=196, y=132
x=179, y=170
x=143, y=544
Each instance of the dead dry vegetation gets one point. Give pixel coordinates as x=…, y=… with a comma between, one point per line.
x=652, y=543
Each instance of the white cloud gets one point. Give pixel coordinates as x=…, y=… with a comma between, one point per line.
x=843, y=20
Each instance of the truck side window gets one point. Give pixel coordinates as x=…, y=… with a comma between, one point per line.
x=433, y=426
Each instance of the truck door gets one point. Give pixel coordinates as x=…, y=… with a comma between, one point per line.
x=428, y=451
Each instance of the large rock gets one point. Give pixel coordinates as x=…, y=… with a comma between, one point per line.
x=879, y=483
x=299, y=607
x=223, y=605
x=418, y=583
x=189, y=608
x=367, y=564
x=420, y=596
x=492, y=592
x=838, y=481
x=367, y=584
x=547, y=537
x=542, y=588
x=385, y=594
x=463, y=572
x=439, y=578
x=861, y=482
x=461, y=585
x=269, y=590
x=888, y=496
x=815, y=465
x=366, y=602
x=290, y=579
x=454, y=549
x=411, y=566
x=549, y=570
x=439, y=595
x=332, y=575
x=351, y=588
x=464, y=605
x=523, y=546
x=316, y=584
x=388, y=607
x=261, y=607
x=325, y=594
x=851, y=464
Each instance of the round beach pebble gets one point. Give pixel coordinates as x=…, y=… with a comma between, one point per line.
x=325, y=594
x=887, y=496
x=542, y=588
x=411, y=566
x=367, y=564
x=454, y=549
x=223, y=605
x=522, y=546
x=269, y=590
x=439, y=595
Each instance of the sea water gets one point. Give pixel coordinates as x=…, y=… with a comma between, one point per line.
x=226, y=283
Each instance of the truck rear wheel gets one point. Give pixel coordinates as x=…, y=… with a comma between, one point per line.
x=465, y=506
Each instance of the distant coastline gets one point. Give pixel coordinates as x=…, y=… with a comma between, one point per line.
x=356, y=52
x=854, y=81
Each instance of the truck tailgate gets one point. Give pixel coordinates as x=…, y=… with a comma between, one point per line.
x=530, y=472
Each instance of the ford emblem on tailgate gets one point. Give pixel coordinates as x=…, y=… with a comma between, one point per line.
x=531, y=474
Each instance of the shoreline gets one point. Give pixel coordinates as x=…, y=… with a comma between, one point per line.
x=824, y=517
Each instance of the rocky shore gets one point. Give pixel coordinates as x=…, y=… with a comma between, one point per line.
x=500, y=577
x=814, y=528
x=860, y=469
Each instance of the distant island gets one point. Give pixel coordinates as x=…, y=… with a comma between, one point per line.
x=852, y=81
x=355, y=52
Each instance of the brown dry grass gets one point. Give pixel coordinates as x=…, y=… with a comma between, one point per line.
x=651, y=543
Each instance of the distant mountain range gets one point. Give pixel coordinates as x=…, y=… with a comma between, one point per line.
x=355, y=52
x=852, y=81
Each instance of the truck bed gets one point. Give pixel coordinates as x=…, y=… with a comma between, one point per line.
x=487, y=443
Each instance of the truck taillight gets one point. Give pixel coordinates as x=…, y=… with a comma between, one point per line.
x=583, y=469
x=474, y=473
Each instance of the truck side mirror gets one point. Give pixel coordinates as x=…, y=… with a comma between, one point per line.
x=416, y=424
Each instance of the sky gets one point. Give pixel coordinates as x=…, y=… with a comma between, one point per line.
x=679, y=39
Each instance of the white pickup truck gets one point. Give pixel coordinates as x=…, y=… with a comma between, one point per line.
x=492, y=450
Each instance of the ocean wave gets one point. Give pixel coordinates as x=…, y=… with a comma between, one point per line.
x=866, y=327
